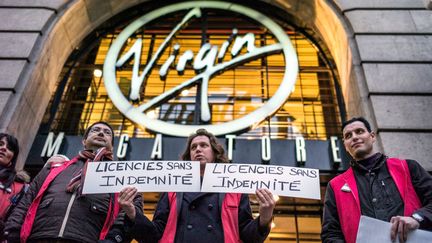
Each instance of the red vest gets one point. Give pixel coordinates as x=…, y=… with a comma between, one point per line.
x=348, y=203
x=229, y=219
x=32, y=210
x=5, y=198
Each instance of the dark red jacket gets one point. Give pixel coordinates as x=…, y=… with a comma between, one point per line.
x=8, y=200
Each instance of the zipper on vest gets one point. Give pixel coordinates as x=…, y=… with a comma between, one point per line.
x=384, y=188
x=66, y=217
x=388, y=198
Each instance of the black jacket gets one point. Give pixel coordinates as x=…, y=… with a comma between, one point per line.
x=379, y=197
x=83, y=223
x=199, y=221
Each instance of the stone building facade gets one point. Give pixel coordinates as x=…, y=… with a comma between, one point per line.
x=382, y=50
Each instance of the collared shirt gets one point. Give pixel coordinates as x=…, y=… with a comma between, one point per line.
x=379, y=196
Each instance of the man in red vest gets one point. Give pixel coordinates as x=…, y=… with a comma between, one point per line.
x=201, y=217
x=390, y=189
x=55, y=210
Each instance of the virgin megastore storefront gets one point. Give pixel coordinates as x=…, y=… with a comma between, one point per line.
x=267, y=78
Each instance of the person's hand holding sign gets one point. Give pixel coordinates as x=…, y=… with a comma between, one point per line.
x=126, y=201
x=401, y=226
x=266, y=205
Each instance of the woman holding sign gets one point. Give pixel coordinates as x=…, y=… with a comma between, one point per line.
x=198, y=217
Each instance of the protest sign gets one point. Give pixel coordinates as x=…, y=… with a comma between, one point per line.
x=372, y=230
x=146, y=176
x=246, y=178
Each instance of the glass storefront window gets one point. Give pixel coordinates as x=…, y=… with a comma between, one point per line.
x=311, y=111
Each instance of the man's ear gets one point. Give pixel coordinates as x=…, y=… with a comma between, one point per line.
x=373, y=135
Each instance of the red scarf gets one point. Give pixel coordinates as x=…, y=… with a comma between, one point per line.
x=77, y=180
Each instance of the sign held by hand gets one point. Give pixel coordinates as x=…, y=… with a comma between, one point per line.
x=246, y=178
x=146, y=176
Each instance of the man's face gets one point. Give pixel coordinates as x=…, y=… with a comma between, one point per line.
x=6, y=154
x=358, y=141
x=99, y=136
x=201, y=150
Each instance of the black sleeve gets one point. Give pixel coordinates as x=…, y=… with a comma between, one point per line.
x=331, y=228
x=422, y=183
x=250, y=229
x=16, y=218
x=2, y=230
x=118, y=232
x=144, y=230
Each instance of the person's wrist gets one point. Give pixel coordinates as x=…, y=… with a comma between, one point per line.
x=264, y=222
x=131, y=213
x=418, y=217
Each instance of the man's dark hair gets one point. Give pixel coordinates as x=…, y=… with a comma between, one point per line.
x=217, y=148
x=86, y=133
x=359, y=119
x=12, y=145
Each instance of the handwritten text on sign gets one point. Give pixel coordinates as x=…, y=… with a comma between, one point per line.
x=246, y=178
x=146, y=176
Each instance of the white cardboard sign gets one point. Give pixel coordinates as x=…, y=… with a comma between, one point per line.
x=246, y=178
x=372, y=230
x=146, y=176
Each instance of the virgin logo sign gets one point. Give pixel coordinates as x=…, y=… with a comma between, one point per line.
x=208, y=62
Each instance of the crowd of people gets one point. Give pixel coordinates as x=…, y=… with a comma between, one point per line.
x=52, y=208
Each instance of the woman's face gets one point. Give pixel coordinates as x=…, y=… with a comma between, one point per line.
x=6, y=155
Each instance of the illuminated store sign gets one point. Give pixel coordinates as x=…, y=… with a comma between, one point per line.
x=208, y=62
x=318, y=154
